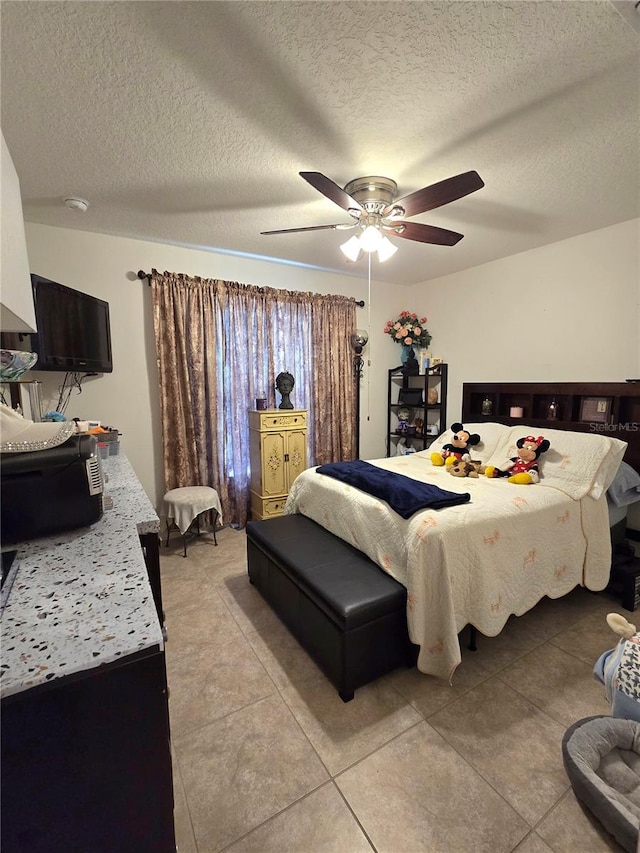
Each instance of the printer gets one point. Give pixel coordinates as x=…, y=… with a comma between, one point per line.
x=52, y=490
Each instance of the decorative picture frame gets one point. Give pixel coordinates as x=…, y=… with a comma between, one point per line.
x=423, y=357
x=595, y=409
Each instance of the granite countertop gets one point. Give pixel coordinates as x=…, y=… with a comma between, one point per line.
x=82, y=599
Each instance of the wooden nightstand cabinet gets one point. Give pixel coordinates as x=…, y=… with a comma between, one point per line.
x=278, y=452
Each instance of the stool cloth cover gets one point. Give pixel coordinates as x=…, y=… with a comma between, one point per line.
x=602, y=758
x=184, y=505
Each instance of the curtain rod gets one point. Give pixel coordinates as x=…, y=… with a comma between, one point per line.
x=142, y=274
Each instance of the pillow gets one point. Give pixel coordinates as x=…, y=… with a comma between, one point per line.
x=609, y=468
x=625, y=487
x=577, y=463
x=490, y=436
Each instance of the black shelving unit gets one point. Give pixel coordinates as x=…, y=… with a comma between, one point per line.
x=425, y=420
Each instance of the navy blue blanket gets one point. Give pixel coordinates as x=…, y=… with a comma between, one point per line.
x=404, y=495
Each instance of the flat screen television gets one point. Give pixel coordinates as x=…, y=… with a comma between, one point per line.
x=74, y=333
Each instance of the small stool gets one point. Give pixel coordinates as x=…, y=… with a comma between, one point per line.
x=184, y=507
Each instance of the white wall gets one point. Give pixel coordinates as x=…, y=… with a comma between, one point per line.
x=128, y=398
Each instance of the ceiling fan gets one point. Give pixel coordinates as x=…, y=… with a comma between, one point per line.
x=371, y=204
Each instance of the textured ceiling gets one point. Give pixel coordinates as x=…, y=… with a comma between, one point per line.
x=188, y=122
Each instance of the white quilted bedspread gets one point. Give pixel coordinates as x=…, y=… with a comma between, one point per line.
x=477, y=563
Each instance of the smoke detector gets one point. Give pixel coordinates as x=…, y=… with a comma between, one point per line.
x=79, y=204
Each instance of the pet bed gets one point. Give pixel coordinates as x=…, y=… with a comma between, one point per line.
x=602, y=759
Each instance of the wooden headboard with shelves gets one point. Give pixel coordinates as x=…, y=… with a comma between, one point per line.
x=609, y=408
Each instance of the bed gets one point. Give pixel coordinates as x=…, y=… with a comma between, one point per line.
x=497, y=555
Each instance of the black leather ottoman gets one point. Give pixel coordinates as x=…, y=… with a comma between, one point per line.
x=347, y=613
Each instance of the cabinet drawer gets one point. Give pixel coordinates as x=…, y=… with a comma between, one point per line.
x=267, y=507
x=278, y=419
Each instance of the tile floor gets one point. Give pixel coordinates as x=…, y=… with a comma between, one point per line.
x=267, y=758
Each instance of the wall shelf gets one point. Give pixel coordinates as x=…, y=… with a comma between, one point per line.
x=609, y=408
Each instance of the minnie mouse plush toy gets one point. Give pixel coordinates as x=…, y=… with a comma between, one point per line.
x=523, y=468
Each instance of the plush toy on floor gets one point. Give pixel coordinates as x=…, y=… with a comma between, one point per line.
x=523, y=468
x=458, y=448
x=619, y=669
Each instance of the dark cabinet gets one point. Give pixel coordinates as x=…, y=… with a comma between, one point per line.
x=86, y=763
x=85, y=748
x=416, y=408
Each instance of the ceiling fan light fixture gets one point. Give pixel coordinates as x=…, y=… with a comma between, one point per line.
x=351, y=249
x=396, y=212
x=386, y=249
x=372, y=205
x=371, y=238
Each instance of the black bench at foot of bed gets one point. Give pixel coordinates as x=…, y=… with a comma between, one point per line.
x=348, y=614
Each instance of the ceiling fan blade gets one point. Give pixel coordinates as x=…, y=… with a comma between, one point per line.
x=332, y=191
x=438, y=194
x=426, y=233
x=340, y=227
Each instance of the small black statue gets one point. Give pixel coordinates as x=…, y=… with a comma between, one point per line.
x=284, y=384
x=411, y=366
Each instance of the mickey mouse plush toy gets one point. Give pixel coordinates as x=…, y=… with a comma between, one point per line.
x=457, y=448
x=523, y=468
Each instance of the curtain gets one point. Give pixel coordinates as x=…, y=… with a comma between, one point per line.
x=220, y=345
x=334, y=388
